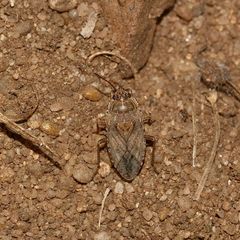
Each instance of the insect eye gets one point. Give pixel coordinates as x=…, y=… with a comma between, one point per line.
x=128, y=93
x=116, y=96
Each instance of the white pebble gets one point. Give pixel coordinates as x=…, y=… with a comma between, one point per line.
x=12, y=3
x=88, y=29
x=104, y=169
x=119, y=188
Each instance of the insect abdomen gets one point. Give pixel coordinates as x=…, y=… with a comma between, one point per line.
x=129, y=166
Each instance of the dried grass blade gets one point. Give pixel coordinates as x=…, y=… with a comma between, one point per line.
x=15, y=128
x=213, y=152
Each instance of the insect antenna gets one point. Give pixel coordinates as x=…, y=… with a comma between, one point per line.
x=106, y=80
x=133, y=69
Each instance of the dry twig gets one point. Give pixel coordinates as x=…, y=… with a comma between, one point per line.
x=102, y=206
x=15, y=128
x=212, y=99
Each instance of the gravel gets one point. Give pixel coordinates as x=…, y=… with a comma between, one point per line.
x=82, y=173
x=42, y=47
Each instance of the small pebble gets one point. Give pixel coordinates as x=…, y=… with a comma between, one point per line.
x=77, y=136
x=33, y=124
x=82, y=173
x=184, y=203
x=6, y=174
x=183, y=234
x=83, y=9
x=237, y=207
x=73, y=13
x=62, y=5
x=184, y=12
x=35, y=169
x=163, y=198
x=56, y=107
x=104, y=169
x=82, y=205
x=11, y=114
x=102, y=236
x=186, y=190
x=233, y=217
x=92, y=94
x=89, y=157
x=97, y=197
x=129, y=188
x=147, y=214
x=226, y=206
x=67, y=103
x=23, y=28
x=119, y=188
x=163, y=214
x=42, y=16
x=12, y=3
x=233, y=133
x=50, y=128
x=3, y=65
x=111, y=207
x=58, y=20
x=230, y=229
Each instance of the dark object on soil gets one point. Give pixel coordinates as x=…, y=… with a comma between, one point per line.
x=133, y=24
x=216, y=76
x=124, y=130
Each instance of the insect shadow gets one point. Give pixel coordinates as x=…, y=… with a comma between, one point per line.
x=123, y=128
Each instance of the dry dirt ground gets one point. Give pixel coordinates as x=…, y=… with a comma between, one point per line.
x=44, y=48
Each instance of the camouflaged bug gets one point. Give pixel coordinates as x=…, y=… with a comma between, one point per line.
x=123, y=129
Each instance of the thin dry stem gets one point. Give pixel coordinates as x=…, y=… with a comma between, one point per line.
x=15, y=128
x=194, y=125
x=102, y=206
x=134, y=71
x=207, y=170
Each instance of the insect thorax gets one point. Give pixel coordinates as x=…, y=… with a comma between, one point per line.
x=123, y=106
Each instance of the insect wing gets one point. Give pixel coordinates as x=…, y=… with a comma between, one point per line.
x=127, y=153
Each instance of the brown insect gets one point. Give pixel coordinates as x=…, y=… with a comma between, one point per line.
x=123, y=129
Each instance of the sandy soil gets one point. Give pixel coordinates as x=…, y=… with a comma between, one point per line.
x=45, y=48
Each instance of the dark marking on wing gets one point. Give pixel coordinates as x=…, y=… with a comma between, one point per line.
x=128, y=167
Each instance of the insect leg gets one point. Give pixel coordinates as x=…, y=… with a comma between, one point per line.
x=151, y=142
x=147, y=119
x=102, y=143
x=101, y=125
